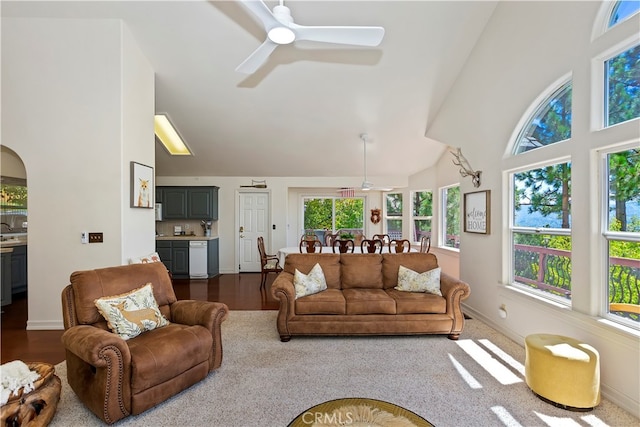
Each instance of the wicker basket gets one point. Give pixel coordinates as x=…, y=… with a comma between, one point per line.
x=36, y=408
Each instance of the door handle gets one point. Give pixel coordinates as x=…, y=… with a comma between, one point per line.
x=242, y=236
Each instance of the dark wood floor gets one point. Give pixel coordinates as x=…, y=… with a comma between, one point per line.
x=238, y=291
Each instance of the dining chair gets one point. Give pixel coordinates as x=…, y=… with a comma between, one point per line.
x=310, y=246
x=329, y=238
x=400, y=245
x=425, y=244
x=268, y=263
x=344, y=245
x=371, y=246
x=384, y=237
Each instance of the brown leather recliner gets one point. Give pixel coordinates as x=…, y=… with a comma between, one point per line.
x=116, y=378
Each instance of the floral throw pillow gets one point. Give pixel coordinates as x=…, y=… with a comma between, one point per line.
x=131, y=313
x=308, y=284
x=410, y=281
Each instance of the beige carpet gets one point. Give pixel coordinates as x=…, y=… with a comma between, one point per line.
x=476, y=381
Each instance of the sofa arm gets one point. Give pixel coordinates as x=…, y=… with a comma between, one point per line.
x=99, y=371
x=207, y=314
x=454, y=291
x=283, y=290
x=89, y=344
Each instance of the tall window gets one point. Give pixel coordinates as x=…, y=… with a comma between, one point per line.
x=550, y=123
x=393, y=215
x=541, y=230
x=622, y=233
x=622, y=83
x=450, y=227
x=421, y=214
x=332, y=214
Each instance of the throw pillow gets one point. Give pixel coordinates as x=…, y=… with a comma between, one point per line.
x=152, y=257
x=131, y=313
x=308, y=284
x=410, y=281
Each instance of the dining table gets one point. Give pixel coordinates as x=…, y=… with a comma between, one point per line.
x=283, y=252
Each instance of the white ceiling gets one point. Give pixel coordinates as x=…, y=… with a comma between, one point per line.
x=302, y=113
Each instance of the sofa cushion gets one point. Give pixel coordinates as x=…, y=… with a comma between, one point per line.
x=418, y=262
x=410, y=281
x=131, y=313
x=369, y=301
x=153, y=354
x=330, y=301
x=309, y=284
x=361, y=271
x=417, y=302
x=330, y=264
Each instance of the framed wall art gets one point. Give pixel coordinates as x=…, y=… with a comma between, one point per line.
x=142, y=188
x=477, y=212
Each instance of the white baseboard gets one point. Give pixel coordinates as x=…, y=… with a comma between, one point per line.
x=44, y=325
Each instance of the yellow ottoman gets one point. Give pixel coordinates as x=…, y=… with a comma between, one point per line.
x=563, y=371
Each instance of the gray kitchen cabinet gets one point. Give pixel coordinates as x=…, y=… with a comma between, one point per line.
x=174, y=254
x=19, y=269
x=213, y=261
x=188, y=202
x=5, y=295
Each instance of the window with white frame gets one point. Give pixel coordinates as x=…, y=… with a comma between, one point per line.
x=622, y=10
x=450, y=217
x=421, y=214
x=621, y=231
x=393, y=215
x=622, y=87
x=332, y=214
x=541, y=229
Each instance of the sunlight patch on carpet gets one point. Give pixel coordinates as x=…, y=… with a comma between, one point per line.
x=466, y=376
x=491, y=365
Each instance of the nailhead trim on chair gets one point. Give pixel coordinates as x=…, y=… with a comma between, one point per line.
x=124, y=411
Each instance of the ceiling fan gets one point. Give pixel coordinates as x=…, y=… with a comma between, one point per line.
x=281, y=29
x=366, y=185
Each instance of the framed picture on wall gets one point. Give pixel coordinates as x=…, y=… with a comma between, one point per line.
x=142, y=188
x=477, y=212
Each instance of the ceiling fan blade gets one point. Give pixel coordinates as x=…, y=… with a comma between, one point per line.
x=257, y=58
x=262, y=12
x=358, y=36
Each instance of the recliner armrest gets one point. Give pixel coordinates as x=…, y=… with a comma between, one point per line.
x=193, y=312
x=88, y=342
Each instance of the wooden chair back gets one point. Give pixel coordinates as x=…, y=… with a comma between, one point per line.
x=371, y=246
x=400, y=245
x=425, y=244
x=310, y=246
x=344, y=246
x=384, y=237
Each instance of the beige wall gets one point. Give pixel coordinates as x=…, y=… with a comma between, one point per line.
x=77, y=107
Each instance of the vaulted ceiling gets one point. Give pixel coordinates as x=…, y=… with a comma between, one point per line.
x=300, y=114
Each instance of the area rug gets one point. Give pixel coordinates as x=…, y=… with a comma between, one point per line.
x=475, y=381
x=358, y=412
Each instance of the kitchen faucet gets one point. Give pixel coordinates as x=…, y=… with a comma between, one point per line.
x=6, y=225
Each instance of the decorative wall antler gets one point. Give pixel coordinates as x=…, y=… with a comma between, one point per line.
x=465, y=167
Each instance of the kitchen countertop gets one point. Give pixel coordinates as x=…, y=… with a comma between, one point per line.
x=186, y=237
x=5, y=250
x=11, y=243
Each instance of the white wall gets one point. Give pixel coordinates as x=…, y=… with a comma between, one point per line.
x=525, y=48
x=64, y=114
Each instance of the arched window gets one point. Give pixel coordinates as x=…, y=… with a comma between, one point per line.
x=623, y=10
x=550, y=122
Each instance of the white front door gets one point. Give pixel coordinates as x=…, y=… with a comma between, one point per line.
x=253, y=220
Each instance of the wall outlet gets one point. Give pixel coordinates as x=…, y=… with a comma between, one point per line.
x=84, y=237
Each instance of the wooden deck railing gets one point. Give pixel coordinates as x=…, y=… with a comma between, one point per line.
x=549, y=270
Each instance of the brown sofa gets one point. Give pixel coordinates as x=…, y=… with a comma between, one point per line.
x=360, y=299
x=116, y=378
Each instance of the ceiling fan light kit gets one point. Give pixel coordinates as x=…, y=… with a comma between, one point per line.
x=281, y=29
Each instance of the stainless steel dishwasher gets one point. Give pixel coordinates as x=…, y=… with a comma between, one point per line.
x=198, y=259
